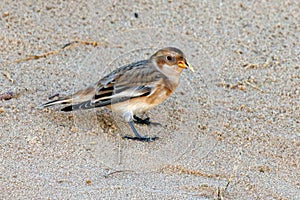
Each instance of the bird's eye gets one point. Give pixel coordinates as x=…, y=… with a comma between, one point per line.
x=169, y=58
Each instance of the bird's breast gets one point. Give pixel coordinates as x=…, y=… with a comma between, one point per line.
x=161, y=92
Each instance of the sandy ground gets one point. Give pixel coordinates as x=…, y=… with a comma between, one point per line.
x=231, y=130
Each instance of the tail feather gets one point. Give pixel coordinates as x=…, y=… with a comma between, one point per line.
x=77, y=97
x=85, y=105
x=57, y=101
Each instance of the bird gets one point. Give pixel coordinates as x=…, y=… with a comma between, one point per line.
x=132, y=89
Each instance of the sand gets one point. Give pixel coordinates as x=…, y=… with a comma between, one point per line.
x=230, y=131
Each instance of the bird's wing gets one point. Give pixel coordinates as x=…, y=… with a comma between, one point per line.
x=131, y=81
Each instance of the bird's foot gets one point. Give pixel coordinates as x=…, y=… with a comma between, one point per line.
x=141, y=139
x=146, y=121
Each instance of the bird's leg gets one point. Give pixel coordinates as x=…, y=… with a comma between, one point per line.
x=138, y=136
x=145, y=121
x=129, y=118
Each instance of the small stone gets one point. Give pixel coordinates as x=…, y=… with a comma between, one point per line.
x=5, y=14
x=88, y=182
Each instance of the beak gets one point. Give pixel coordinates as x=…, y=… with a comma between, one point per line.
x=184, y=64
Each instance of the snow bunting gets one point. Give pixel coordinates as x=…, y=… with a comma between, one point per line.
x=132, y=89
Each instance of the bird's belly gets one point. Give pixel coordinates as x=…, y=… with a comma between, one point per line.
x=141, y=104
x=132, y=106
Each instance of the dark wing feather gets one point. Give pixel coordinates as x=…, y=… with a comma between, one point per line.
x=91, y=104
x=86, y=105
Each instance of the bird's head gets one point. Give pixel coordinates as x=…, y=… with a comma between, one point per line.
x=170, y=61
